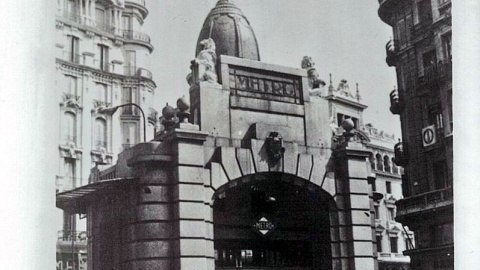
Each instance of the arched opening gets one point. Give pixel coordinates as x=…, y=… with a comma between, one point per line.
x=386, y=163
x=379, y=162
x=272, y=221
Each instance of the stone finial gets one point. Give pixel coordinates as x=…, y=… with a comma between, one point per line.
x=357, y=96
x=203, y=67
x=168, y=113
x=183, y=106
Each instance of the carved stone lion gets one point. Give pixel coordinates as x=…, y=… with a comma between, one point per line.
x=205, y=64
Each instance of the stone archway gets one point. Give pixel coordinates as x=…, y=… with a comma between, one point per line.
x=273, y=220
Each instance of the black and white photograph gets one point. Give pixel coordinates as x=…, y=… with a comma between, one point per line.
x=240, y=134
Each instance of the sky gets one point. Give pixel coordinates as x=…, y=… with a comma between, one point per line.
x=344, y=37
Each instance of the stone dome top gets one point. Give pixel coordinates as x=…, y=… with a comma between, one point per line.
x=231, y=31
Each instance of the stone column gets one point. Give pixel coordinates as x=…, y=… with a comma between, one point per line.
x=354, y=207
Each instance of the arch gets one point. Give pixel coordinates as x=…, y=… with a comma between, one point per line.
x=302, y=220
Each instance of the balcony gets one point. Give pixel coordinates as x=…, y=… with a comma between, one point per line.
x=429, y=201
x=391, y=49
x=137, y=72
x=385, y=11
x=138, y=37
x=104, y=27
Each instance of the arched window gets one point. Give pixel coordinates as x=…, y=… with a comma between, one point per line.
x=386, y=163
x=100, y=133
x=379, y=162
x=70, y=127
x=372, y=161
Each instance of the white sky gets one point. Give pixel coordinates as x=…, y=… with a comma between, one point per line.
x=344, y=37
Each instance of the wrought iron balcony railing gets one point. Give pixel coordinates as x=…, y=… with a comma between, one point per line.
x=425, y=201
x=72, y=236
x=135, y=35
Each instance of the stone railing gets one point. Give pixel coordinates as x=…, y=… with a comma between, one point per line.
x=135, y=35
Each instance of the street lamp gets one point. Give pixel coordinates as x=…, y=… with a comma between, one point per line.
x=112, y=110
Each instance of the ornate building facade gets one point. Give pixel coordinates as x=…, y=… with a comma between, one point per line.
x=392, y=237
x=262, y=167
x=421, y=54
x=102, y=60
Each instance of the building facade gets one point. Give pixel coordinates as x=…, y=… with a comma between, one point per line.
x=102, y=61
x=262, y=167
x=392, y=237
x=421, y=54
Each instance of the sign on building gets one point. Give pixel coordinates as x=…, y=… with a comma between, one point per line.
x=429, y=136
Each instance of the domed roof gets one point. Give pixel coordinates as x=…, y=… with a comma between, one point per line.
x=230, y=29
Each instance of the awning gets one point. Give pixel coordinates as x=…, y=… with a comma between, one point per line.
x=75, y=200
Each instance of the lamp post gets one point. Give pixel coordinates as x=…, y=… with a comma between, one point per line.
x=112, y=110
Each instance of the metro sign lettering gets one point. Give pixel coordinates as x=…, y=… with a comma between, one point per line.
x=264, y=226
x=429, y=136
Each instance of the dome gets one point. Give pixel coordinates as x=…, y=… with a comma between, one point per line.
x=230, y=29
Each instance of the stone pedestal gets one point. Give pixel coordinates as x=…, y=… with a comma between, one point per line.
x=353, y=201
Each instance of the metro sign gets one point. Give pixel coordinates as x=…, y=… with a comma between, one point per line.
x=429, y=136
x=263, y=226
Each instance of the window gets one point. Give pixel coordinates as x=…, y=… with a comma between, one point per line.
x=377, y=212
x=391, y=213
x=379, y=162
x=70, y=173
x=103, y=57
x=440, y=174
x=130, y=68
x=429, y=60
x=435, y=117
x=70, y=128
x=374, y=185
x=129, y=134
x=394, y=244
x=100, y=134
x=379, y=243
x=424, y=11
x=386, y=163
x=372, y=161
x=128, y=96
x=447, y=46
x=73, y=54
x=127, y=23
x=389, y=187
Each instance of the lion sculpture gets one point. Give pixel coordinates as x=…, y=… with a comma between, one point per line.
x=204, y=64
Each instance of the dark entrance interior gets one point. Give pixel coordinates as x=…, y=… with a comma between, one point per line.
x=272, y=223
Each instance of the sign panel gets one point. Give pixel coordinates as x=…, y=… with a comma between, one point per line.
x=429, y=136
x=264, y=226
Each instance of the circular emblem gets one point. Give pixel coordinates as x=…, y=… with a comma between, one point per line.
x=428, y=136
